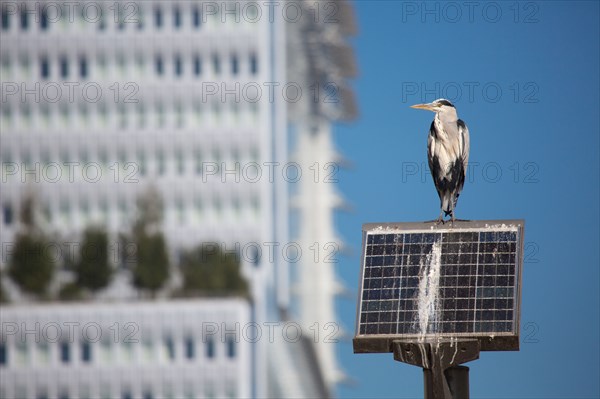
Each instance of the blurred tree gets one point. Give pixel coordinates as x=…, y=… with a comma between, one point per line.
x=151, y=266
x=151, y=270
x=93, y=270
x=149, y=211
x=3, y=296
x=208, y=270
x=70, y=292
x=31, y=265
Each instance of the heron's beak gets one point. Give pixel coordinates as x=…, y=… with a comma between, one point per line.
x=428, y=107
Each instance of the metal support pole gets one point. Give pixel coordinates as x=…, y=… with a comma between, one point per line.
x=443, y=378
x=458, y=381
x=428, y=384
x=457, y=378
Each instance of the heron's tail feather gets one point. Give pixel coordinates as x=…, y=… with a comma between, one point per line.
x=448, y=202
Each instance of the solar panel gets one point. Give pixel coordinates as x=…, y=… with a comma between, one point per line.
x=421, y=281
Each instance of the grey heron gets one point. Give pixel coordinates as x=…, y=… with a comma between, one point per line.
x=447, y=153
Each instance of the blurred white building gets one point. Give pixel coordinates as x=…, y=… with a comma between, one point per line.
x=102, y=100
x=164, y=349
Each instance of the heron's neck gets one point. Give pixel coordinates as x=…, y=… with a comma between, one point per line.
x=446, y=117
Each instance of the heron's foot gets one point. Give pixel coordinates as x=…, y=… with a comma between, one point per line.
x=452, y=219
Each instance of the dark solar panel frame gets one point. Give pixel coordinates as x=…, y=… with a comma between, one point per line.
x=478, y=283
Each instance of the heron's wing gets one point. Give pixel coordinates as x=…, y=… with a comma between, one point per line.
x=465, y=141
x=431, y=155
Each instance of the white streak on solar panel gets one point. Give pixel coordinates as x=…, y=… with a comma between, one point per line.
x=455, y=344
x=424, y=355
x=429, y=286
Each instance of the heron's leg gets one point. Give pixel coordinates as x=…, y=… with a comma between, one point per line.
x=440, y=219
x=452, y=213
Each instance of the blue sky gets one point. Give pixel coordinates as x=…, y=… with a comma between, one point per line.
x=525, y=79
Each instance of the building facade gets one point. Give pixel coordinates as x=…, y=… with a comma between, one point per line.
x=166, y=349
x=208, y=104
x=147, y=93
